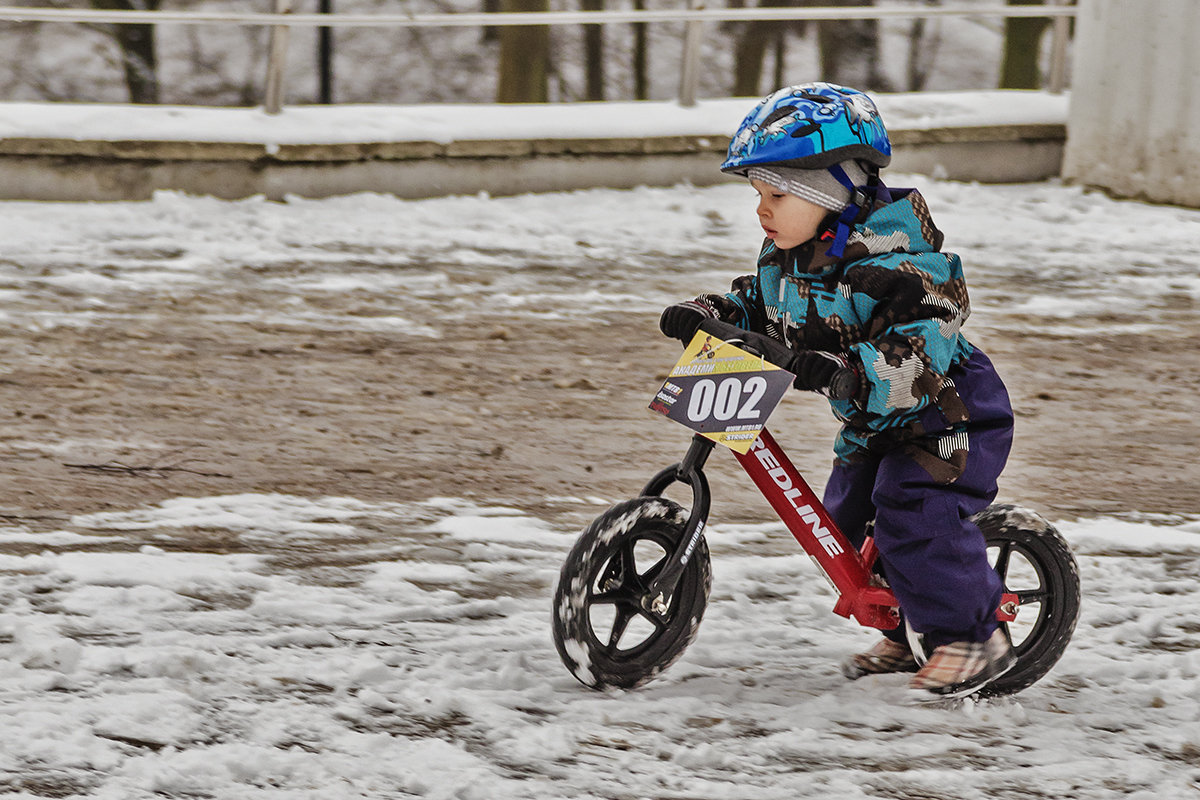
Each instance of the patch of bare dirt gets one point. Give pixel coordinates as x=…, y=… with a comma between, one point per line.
x=539, y=415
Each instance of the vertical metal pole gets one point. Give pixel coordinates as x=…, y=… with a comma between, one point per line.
x=1060, y=35
x=689, y=72
x=277, y=59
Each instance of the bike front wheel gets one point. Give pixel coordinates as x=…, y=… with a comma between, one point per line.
x=1036, y=564
x=604, y=633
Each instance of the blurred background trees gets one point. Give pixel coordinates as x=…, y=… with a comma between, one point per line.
x=1019, y=68
x=135, y=48
x=226, y=64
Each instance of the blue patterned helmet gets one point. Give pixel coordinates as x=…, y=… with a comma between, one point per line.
x=810, y=126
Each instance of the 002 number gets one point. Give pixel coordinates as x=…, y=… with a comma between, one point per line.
x=730, y=399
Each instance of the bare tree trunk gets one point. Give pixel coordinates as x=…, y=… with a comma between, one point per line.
x=641, y=87
x=780, y=75
x=1022, y=45
x=593, y=46
x=524, y=57
x=755, y=39
x=914, y=68
x=747, y=59
x=850, y=50
x=490, y=32
x=325, y=56
x=924, y=41
x=137, y=49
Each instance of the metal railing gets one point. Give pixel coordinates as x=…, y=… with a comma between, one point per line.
x=283, y=19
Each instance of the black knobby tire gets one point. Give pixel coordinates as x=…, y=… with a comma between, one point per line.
x=602, y=633
x=1035, y=562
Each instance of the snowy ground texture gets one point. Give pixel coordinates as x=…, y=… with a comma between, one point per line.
x=1035, y=254
x=426, y=670
x=339, y=649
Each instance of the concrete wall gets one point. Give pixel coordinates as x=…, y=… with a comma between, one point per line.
x=1134, y=117
x=90, y=170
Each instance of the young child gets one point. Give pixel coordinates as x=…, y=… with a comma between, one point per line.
x=851, y=274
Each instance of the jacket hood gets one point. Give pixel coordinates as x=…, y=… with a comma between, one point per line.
x=902, y=226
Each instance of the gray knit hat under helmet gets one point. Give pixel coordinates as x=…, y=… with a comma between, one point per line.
x=814, y=185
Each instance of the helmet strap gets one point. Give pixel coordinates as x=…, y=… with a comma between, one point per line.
x=876, y=187
x=859, y=196
x=849, y=213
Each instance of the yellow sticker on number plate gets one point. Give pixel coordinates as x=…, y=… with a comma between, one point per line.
x=722, y=392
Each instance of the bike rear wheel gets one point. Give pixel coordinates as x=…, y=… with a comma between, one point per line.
x=1036, y=564
x=603, y=633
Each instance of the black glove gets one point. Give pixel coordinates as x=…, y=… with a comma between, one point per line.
x=681, y=320
x=829, y=374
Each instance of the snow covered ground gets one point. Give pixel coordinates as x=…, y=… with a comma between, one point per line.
x=426, y=670
x=420, y=664
x=1033, y=252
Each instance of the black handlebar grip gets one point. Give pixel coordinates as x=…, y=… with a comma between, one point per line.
x=843, y=385
x=772, y=350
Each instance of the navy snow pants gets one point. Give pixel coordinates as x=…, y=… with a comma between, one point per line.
x=933, y=557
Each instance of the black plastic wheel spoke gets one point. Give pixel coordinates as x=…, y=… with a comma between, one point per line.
x=652, y=571
x=654, y=619
x=618, y=581
x=1032, y=595
x=611, y=575
x=617, y=595
x=624, y=614
x=1002, y=559
x=629, y=573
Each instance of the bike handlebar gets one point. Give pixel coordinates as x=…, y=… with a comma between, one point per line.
x=842, y=386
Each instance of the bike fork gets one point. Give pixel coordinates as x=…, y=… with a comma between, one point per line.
x=690, y=471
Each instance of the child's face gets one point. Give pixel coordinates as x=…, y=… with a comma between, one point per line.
x=785, y=218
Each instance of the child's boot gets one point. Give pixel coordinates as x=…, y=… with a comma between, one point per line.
x=886, y=656
x=962, y=668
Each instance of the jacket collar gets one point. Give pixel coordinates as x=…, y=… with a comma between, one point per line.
x=872, y=234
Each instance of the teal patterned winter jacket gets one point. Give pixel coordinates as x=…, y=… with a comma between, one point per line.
x=892, y=306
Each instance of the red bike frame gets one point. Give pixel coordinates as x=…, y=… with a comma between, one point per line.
x=849, y=570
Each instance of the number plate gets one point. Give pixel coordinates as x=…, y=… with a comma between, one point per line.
x=722, y=392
